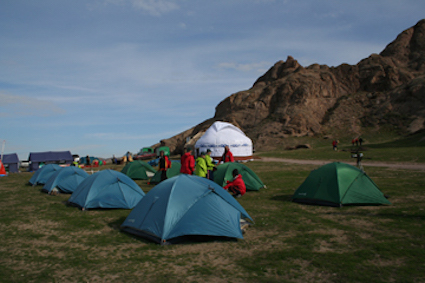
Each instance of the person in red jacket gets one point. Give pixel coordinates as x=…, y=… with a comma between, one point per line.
x=188, y=162
x=164, y=164
x=227, y=156
x=237, y=186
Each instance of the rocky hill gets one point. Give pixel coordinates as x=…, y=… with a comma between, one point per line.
x=292, y=100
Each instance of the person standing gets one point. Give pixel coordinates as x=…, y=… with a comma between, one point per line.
x=188, y=162
x=201, y=166
x=164, y=164
x=227, y=156
x=335, y=145
x=237, y=185
x=210, y=165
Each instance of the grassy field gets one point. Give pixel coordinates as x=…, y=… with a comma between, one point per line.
x=376, y=148
x=43, y=240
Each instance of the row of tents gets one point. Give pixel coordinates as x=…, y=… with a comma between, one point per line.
x=186, y=205
x=179, y=207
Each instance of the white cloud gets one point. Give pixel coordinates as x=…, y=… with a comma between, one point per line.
x=12, y=105
x=259, y=67
x=153, y=7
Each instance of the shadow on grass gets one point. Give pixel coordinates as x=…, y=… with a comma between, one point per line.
x=379, y=215
x=286, y=198
x=182, y=240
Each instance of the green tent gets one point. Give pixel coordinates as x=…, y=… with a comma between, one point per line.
x=171, y=172
x=338, y=184
x=224, y=174
x=138, y=170
x=165, y=149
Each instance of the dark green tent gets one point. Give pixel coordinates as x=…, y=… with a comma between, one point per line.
x=338, y=184
x=171, y=172
x=224, y=174
x=137, y=170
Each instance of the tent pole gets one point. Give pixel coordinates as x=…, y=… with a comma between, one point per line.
x=2, y=149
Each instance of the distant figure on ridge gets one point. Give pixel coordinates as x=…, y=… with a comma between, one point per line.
x=335, y=145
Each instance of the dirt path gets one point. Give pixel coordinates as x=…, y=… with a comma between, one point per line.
x=409, y=166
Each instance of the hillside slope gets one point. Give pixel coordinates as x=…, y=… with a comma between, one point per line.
x=386, y=89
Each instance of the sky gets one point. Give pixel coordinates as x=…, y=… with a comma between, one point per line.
x=103, y=77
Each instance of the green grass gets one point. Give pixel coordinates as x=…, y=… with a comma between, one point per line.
x=43, y=240
x=383, y=148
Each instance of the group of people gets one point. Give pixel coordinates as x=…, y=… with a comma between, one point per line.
x=356, y=141
x=204, y=167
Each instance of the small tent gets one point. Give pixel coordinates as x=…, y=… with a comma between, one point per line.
x=138, y=170
x=42, y=175
x=2, y=170
x=56, y=157
x=171, y=172
x=107, y=189
x=186, y=205
x=221, y=134
x=338, y=184
x=164, y=148
x=224, y=174
x=12, y=162
x=66, y=180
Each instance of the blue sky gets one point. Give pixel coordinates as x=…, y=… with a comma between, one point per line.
x=104, y=77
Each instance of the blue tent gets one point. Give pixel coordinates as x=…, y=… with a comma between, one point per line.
x=185, y=205
x=107, y=189
x=12, y=162
x=66, y=179
x=42, y=175
x=58, y=157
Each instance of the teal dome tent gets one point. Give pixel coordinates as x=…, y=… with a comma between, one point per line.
x=107, y=189
x=186, y=205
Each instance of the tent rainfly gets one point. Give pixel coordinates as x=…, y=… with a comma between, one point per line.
x=338, y=184
x=183, y=206
x=107, y=189
x=57, y=157
x=224, y=173
x=171, y=172
x=138, y=170
x=221, y=134
x=66, y=180
x=12, y=162
x=42, y=175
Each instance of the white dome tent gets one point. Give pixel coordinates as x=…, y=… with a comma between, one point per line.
x=221, y=134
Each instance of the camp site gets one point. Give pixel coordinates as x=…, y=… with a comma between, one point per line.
x=309, y=215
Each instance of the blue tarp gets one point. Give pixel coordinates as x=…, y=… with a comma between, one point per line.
x=66, y=179
x=12, y=161
x=58, y=157
x=186, y=205
x=42, y=175
x=107, y=189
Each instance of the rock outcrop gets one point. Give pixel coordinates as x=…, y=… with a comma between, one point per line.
x=292, y=100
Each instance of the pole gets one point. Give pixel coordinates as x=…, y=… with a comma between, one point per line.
x=2, y=149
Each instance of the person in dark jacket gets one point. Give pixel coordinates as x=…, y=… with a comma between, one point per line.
x=164, y=164
x=237, y=185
